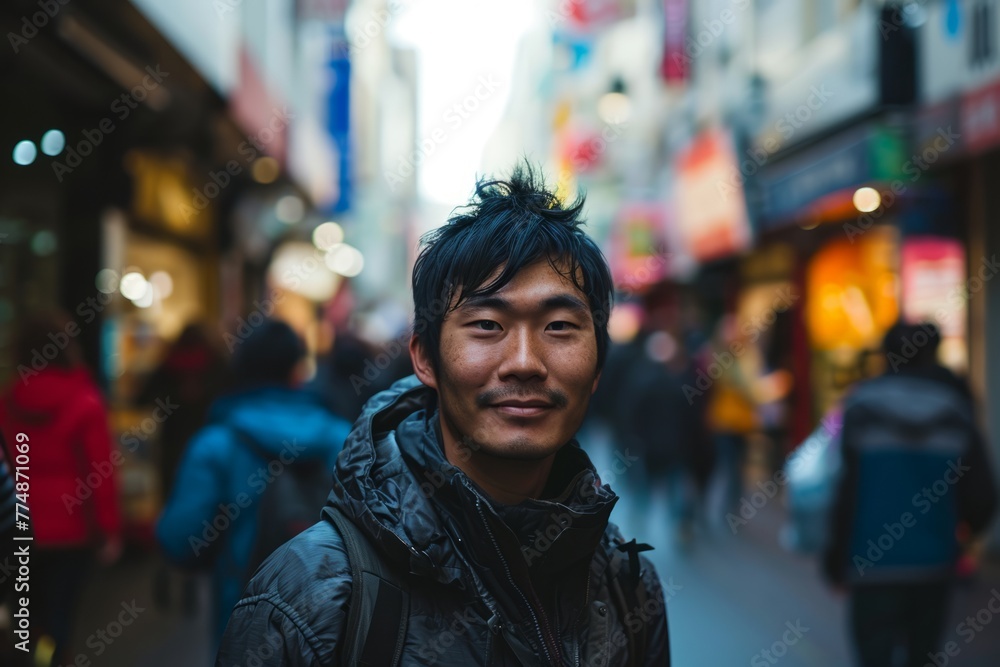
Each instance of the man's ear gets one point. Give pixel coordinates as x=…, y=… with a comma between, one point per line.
x=422, y=366
x=596, y=380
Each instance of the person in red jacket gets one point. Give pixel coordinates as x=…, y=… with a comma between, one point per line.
x=73, y=499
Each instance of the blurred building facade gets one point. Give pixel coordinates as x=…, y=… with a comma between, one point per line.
x=813, y=168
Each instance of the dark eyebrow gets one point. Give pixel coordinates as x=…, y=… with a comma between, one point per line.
x=492, y=302
x=555, y=302
x=567, y=301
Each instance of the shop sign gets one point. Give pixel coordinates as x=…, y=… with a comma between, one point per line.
x=711, y=207
x=981, y=118
x=638, y=254
x=933, y=274
x=846, y=161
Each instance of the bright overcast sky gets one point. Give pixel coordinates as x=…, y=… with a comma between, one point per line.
x=464, y=47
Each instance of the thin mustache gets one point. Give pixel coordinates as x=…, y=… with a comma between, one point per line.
x=492, y=396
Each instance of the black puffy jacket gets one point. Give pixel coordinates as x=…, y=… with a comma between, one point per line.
x=489, y=584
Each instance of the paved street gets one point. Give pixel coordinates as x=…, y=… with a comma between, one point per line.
x=736, y=596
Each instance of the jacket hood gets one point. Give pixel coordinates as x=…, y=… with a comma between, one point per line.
x=914, y=403
x=275, y=416
x=41, y=394
x=393, y=480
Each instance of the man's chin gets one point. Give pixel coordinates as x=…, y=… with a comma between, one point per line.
x=520, y=449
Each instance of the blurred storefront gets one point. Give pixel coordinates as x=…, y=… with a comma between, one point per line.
x=166, y=151
x=958, y=144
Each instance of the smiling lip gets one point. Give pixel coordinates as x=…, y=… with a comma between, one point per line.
x=522, y=408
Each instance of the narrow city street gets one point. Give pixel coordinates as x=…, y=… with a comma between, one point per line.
x=734, y=600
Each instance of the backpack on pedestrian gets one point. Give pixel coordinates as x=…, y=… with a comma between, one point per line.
x=290, y=503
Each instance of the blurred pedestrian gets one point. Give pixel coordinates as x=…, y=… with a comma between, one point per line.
x=731, y=413
x=462, y=499
x=193, y=372
x=656, y=413
x=212, y=517
x=353, y=372
x=915, y=470
x=74, y=489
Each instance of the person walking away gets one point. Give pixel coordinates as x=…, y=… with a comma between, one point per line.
x=74, y=501
x=915, y=471
x=193, y=373
x=731, y=413
x=253, y=437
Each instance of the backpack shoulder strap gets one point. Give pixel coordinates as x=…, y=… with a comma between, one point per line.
x=628, y=592
x=379, y=600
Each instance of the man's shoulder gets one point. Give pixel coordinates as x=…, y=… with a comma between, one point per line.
x=308, y=578
x=295, y=607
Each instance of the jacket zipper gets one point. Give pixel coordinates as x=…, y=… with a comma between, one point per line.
x=542, y=630
x=583, y=615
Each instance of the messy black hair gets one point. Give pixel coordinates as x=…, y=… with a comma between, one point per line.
x=506, y=226
x=917, y=343
x=268, y=355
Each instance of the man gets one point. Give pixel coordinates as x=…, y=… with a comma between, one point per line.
x=211, y=518
x=465, y=480
x=916, y=474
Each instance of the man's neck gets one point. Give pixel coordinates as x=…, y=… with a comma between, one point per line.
x=507, y=481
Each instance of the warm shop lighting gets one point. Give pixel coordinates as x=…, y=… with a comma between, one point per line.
x=106, y=281
x=290, y=209
x=614, y=108
x=867, y=199
x=327, y=235
x=265, y=170
x=133, y=286
x=162, y=283
x=345, y=260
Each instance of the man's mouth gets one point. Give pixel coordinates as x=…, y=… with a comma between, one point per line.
x=522, y=407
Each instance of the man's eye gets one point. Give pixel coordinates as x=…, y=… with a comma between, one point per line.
x=562, y=326
x=486, y=325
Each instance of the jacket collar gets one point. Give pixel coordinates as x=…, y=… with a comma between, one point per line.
x=425, y=514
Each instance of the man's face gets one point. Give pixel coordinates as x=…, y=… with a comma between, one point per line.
x=517, y=368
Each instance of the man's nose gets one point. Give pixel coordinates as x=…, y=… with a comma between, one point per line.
x=523, y=358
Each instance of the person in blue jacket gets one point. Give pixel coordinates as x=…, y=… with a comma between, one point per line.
x=916, y=475
x=211, y=516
